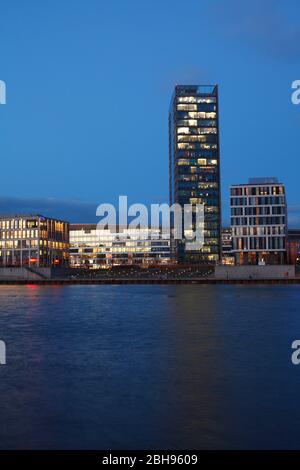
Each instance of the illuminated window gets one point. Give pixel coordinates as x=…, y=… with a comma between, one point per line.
x=183, y=130
x=187, y=107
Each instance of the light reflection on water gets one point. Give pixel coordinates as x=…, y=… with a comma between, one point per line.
x=149, y=367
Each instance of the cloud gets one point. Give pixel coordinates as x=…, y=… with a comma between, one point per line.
x=269, y=26
x=70, y=210
x=83, y=212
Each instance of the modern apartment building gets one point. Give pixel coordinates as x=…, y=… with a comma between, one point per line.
x=259, y=221
x=33, y=240
x=194, y=165
x=95, y=248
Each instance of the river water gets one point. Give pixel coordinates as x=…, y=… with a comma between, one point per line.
x=150, y=367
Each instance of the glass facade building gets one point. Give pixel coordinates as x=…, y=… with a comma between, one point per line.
x=259, y=222
x=194, y=165
x=95, y=248
x=33, y=240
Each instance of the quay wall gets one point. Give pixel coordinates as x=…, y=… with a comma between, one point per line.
x=255, y=272
x=15, y=273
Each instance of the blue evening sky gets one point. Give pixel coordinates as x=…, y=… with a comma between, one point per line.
x=89, y=84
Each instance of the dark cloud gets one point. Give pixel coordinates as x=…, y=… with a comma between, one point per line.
x=73, y=211
x=81, y=212
x=271, y=26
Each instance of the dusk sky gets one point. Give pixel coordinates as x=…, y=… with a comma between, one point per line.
x=89, y=85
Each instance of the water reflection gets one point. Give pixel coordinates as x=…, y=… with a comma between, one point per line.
x=149, y=367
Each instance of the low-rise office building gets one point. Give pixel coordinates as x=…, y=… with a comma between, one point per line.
x=259, y=222
x=33, y=240
x=95, y=248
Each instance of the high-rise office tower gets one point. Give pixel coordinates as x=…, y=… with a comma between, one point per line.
x=194, y=164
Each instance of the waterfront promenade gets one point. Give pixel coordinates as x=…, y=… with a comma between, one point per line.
x=154, y=275
x=145, y=281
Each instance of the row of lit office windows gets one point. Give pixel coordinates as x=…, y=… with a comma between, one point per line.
x=196, y=99
x=258, y=221
x=24, y=234
x=200, y=114
x=257, y=191
x=118, y=250
x=195, y=178
x=198, y=153
x=19, y=234
x=254, y=231
x=134, y=240
x=200, y=161
x=197, y=138
x=191, y=122
x=23, y=244
x=79, y=241
x=196, y=130
x=208, y=174
x=258, y=210
x=190, y=146
x=31, y=253
x=259, y=243
x=257, y=201
x=17, y=224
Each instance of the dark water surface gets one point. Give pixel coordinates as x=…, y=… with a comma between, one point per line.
x=177, y=367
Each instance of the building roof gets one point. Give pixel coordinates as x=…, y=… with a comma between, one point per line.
x=263, y=181
x=198, y=89
x=30, y=216
x=94, y=227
